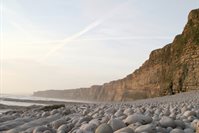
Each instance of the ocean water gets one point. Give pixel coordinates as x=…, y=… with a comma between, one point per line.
x=29, y=97
x=26, y=97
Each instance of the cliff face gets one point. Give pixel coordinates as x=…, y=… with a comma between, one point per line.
x=171, y=69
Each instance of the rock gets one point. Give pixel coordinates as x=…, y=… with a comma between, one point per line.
x=7, y=118
x=172, y=115
x=104, y=128
x=128, y=111
x=166, y=112
x=105, y=119
x=95, y=121
x=85, y=112
x=189, y=113
x=56, y=124
x=122, y=117
x=191, y=118
x=118, y=113
x=40, y=129
x=149, y=128
x=86, y=119
x=66, y=112
x=88, y=128
x=156, y=118
x=167, y=122
x=54, y=111
x=45, y=114
x=116, y=124
x=124, y=130
x=194, y=123
x=179, y=123
x=12, y=131
x=65, y=128
x=138, y=118
x=134, y=126
x=161, y=130
x=110, y=110
x=35, y=123
x=184, y=109
x=197, y=127
x=157, y=111
x=169, y=129
x=78, y=131
x=9, y=124
x=47, y=131
x=177, y=130
x=188, y=130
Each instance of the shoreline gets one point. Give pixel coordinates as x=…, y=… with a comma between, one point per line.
x=41, y=101
x=169, y=114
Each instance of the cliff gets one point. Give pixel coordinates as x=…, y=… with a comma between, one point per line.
x=169, y=70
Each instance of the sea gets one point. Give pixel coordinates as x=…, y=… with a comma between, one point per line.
x=5, y=100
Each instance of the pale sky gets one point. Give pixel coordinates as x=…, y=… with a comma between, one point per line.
x=66, y=44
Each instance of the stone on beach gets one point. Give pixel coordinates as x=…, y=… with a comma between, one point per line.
x=138, y=118
x=7, y=118
x=149, y=128
x=40, y=129
x=179, y=123
x=116, y=124
x=169, y=114
x=167, y=122
x=85, y=118
x=118, y=113
x=194, y=123
x=104, y=128
x=177, y=130
x=188, y=130
x=128, y=111
x=14, y=123
x=189, y=113
x=197, y=127
x=35, y=123
x=65, y=128
x=124, y=130
x=57, y=123
x=88, y=127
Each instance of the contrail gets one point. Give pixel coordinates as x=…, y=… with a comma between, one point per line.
x=71, y=38
x=82, y=32
x=126, y=38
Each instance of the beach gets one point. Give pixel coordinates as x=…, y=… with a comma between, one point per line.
x=9, y=102
x=169, y=114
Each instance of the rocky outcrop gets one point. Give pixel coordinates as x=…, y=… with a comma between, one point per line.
x=169, y=70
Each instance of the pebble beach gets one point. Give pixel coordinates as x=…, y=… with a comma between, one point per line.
x=169, y=114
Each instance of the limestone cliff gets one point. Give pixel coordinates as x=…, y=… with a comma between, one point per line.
x=171, y=69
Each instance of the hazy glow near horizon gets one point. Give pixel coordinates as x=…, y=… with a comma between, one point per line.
x=64, y=44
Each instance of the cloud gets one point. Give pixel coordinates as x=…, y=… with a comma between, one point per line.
x=71, y=38
x=84, y=30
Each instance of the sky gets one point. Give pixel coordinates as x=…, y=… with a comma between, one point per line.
x=67, y=44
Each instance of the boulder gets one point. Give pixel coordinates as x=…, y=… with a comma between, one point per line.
x=104, y=128
x=149, y=128
x=138, y=118
x=167, y=122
